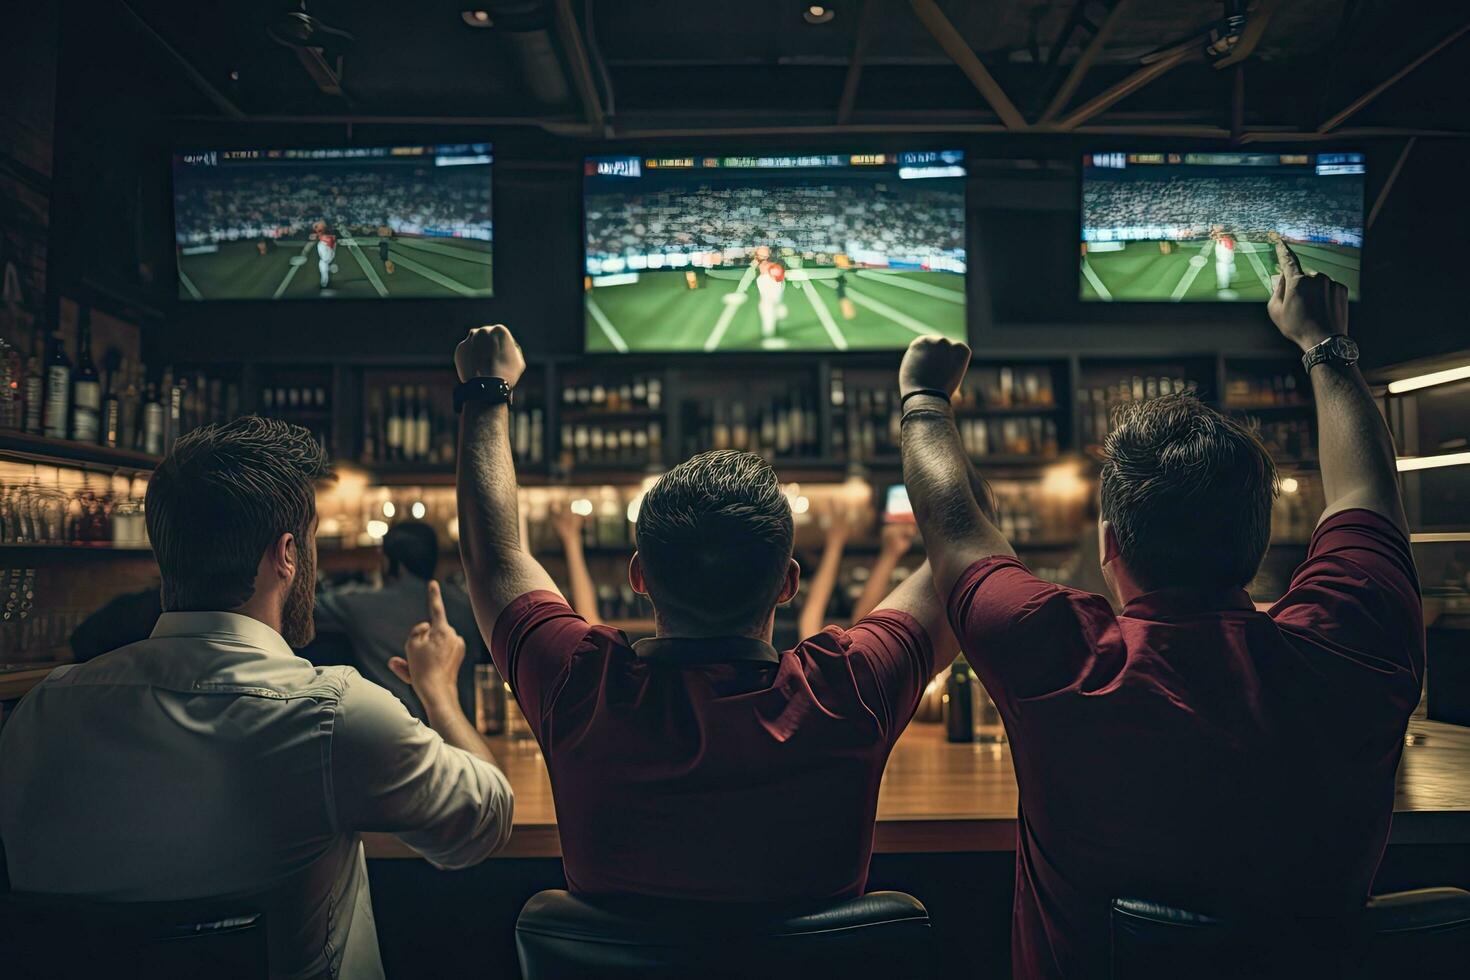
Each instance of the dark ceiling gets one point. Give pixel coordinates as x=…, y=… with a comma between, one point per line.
x=640, y=67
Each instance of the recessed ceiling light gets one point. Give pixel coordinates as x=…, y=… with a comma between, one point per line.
x=476, y=18
x=818, y=14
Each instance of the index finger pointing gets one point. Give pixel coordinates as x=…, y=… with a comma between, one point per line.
x=437, y=616
x=1287, y=259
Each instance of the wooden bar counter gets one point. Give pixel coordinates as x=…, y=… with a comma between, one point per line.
x=941, y=797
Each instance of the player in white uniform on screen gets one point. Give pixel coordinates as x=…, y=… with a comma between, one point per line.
x=770, y=285
x=1224, y=258
x=326, y=251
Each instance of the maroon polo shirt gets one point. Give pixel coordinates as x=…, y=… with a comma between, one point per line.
x=713, y=769
x=1195, y=751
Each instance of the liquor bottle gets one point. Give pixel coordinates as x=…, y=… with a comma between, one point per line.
x=112, y=407
x=424, y=425
x=130, y=407
x=86, y=386
x=12, y=409
x=58, y=389
x=152, y=429
x=959, y=703
x=174, y=392
x=394, y=439
x=370, y=421
x=33, y=388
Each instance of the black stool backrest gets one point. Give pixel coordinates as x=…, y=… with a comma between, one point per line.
x=62, y=938
x=1423, y=934
x=881, y=935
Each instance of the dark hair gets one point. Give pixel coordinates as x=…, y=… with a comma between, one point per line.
x=415, y=546
x=1188, y=492
x=220, y=498
x=714, y=538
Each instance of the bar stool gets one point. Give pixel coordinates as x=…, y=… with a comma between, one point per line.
x=880, y=935
x=65, y=938
x=1423, y=933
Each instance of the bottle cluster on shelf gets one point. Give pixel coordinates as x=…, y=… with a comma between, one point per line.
x=643, y=392
x=1000, y=387
x=123, y=406
x=776, y=426
x=1096, y=403
x=85, y=516
x=1029, y=435
x=1292, y=439
x=1279, y=388
x=625, y=443
x=307, y=403
x=401, y=424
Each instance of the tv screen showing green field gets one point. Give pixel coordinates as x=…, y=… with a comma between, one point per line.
x=384, y=222
x=1203, y=227
x=849, y=251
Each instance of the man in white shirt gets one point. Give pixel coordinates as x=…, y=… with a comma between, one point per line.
x=209, y=760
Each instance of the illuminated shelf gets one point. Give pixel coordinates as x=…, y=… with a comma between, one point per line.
x=28, y=448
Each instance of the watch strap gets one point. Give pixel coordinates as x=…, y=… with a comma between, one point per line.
x=486, y=391
x=935, y=392
x=1323, y=351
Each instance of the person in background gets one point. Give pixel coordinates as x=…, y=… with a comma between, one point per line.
x=124, y=619
x=1190, y=750
x=703, y=763
x=209, y=760
x=376, y=620
x=895, y=541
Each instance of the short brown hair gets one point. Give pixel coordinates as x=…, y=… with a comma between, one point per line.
x=714, y=538
x=1188, y=493
x=220, y=498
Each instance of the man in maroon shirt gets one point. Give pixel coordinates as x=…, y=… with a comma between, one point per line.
x=702, y=764
x=1190, y=750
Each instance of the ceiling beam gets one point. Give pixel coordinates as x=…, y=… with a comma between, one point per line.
x=1337, y=120
x=219, y=99
x=1085, y=60
x=1124, y=88
x=960, y=53
x=576, y=52
x=1393, y=175
x=866, y=17
x=1257, y=19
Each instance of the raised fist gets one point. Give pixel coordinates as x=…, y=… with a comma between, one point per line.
x=933, y=362
x=490, y=352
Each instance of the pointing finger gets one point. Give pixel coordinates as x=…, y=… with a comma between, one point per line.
x=1286, y=258
x=437, y=617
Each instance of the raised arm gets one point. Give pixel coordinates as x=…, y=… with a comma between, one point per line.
x=819, y=592
x=1356, y=452
x=951, y=502
x=894, y=541
x=584, y=595
x=497, y=569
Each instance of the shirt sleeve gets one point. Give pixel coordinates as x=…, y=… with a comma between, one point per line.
x=1354, y=602
x=390, y=772
x=891, y=658
x=1025, y=637
x=534, y=642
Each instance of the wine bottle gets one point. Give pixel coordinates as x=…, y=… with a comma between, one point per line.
x=959, y=703
x=86, y=386
x=394, y=438
x=33, y=388
x=130, y=407
x=153, y=421
x=58, y=390
x=424, y=425
x=12, y=409
x=112, y=406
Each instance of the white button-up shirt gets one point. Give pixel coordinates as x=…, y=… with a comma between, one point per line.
x=210, y=760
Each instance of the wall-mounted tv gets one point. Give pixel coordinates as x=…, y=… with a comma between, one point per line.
x=830, y=251
x=382, y=222
x=1201, y=227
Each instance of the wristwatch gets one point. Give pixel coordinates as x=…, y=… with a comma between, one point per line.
x=486, y=391
x=1339, y=349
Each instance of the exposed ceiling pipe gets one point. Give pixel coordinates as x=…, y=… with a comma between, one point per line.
x=528, y=25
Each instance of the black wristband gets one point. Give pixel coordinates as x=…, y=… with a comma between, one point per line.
x=486, y=391
x=923, y=391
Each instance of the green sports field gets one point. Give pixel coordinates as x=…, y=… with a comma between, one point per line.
x=886, y=310
x=431, y=268
x=1140, y=271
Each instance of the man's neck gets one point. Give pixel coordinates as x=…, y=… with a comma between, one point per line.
x=260, y=610
x=671, y=629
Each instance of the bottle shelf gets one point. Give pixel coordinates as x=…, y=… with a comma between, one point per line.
x=99, y=547
x=29, y=448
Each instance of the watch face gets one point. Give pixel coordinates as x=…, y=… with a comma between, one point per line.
x=1344, y=348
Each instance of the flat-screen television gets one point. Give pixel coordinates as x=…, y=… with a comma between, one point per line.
x=1202, y=227
x=380, y=222
x=831, y=251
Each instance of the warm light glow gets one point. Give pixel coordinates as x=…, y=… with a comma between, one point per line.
x=418, y=510
x=452, y=529
x=388, y=509
x=376, y=529
x=481, y=15
x=1289, y=485
x=633, y=506
x=1407, y=463
x=1064, y=481
x=800, y=505
x=1426, y=380
x=582, y=507
x=816, y=10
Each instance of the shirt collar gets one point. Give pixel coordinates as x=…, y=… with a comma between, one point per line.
x=249, y=632
x=1163, y=605
x=686, y=651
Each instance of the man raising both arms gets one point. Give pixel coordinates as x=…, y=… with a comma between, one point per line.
x=1190, y=750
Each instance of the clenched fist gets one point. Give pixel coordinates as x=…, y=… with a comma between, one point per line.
x=490, y=352
x=933, y=362
x=432, y=654
x=1307, y=309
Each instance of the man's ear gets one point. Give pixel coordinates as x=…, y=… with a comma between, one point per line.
x=791, y=585
x=285, y=558
x=635, y=575
x=1108, y=542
